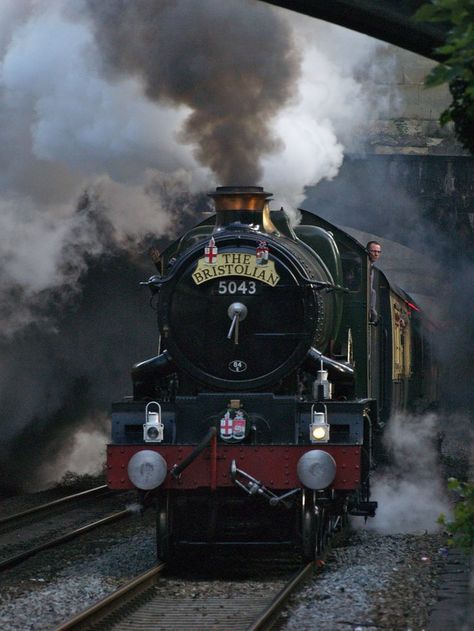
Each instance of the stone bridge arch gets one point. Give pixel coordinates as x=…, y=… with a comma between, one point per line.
x=388, y=20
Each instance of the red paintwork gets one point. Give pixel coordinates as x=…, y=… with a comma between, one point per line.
x=273, y=466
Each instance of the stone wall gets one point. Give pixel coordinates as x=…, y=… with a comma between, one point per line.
x=413, y=182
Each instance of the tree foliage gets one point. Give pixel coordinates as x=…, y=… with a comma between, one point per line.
x=457, y=65
x=461, y=528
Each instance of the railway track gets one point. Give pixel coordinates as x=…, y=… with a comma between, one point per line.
x=29, y=532
x=151, y=602
x=11, y=561
x=16, y=518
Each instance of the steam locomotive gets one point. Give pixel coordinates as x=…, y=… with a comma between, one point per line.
x=259, y=420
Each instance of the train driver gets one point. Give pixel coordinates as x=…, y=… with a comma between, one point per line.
x=374, y=250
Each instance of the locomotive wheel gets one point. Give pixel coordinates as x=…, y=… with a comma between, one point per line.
x=309, y=525
x=316, y=526
x=165, y=545
x=324, y=528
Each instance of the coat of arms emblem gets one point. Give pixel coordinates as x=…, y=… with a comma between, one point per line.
x=210, y=252
x=233, y=425
x=262, y=253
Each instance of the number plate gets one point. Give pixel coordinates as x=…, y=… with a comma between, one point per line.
x=237, y=288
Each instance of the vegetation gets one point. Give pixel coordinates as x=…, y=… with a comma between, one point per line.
x=462, y=527
x=80, y=482
x=457, y=65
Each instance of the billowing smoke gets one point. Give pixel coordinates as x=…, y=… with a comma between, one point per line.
x=76, y=117
x=84, y=454
x=115, y=117
x=273, y=97
x=232, y=64
x=66, y=135
x=340, y=94
x=410, y=490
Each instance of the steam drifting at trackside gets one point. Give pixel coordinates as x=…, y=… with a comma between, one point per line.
x=410, y=490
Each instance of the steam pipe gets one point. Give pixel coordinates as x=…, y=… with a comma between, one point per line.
x=313, y=360
x=177, y=469
x=146, y=373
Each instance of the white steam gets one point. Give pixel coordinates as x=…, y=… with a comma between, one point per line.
x=410, y=491
x=83, y=453
x=77, y=119
x=336, y=102
x=66, y=128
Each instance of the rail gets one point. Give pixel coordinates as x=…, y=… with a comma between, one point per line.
x=63, y=500
x=52, y=543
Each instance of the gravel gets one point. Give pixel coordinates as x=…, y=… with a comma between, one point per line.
x=53, y=586
x=375, y=581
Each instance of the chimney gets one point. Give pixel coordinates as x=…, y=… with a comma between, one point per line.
x=242, y=206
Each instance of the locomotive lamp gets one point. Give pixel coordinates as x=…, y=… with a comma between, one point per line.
x=322, y=388
x=153, y=427
x=319, y=427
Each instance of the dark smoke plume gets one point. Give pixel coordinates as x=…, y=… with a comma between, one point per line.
x=55, y=381
x=232, y=63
